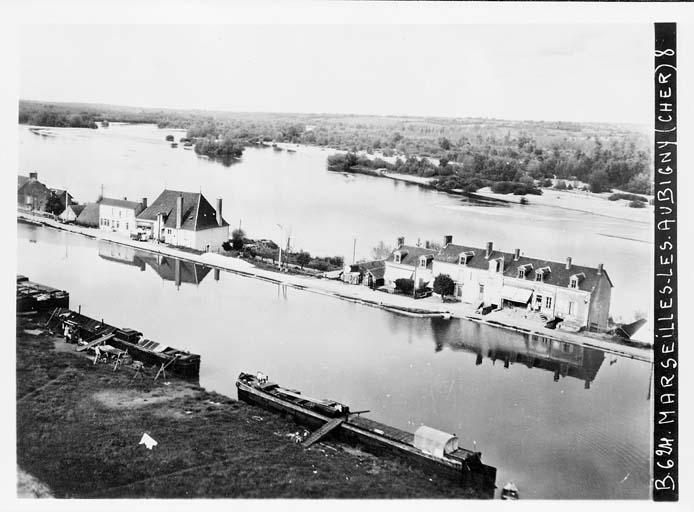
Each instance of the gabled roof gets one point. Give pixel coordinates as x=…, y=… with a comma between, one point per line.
x=377, y=272
x=411, y=254
x=198, y=213
x=21, y=180
x=89, y=215
x=122, y=203
x=559, y=275
x=77, y=208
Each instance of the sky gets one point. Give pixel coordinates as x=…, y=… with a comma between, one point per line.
x=572, y=72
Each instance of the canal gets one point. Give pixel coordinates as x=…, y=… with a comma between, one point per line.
x=560, y=420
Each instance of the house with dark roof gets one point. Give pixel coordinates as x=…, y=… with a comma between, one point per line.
x=578, y=295
x=89, y=216
x=185, y=219
x=367, y=273
x=31, y=193
x=409, y=262
x=120, y=215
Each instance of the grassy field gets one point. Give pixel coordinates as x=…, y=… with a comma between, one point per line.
x=79, y=425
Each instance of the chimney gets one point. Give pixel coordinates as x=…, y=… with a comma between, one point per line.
x=33, y=175
x=179, y=212
x=448, y=239
x=401, y=241
x=125, y=198
x=426, y=244
x=490, y=247
x=568, y=263
x=219, y=211
x=144, y=203
x=600, y=269
x=516, y=254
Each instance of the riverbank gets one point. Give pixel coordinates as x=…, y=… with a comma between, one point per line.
x=431, y=306
x=79, y=425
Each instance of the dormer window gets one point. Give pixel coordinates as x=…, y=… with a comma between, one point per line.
x=496, y=265
x=423, y=261
x=465, y=257
x=540, y=273
x=575, y=279
x=524, y=269
x=397, y=256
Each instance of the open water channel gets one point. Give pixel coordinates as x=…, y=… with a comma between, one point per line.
x=560, y=420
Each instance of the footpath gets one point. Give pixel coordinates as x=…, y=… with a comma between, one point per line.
x=430, y=307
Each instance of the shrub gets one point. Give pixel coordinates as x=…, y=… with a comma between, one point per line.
x=303, y=258
x=169, y=138
x=637, y=204
x=318, y=264
x=404, y=285
x=630, y=197
x=560, y=185
x=237, y=238
x=444, y=285
x=226, y=245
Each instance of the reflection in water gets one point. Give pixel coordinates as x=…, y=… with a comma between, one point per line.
x=166, y=267
x=561, y=358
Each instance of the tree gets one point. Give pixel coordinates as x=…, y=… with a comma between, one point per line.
x=303, y=258
x=169, y=138
x=54, y=205
x=444, y=143
x=381, y=251
x=237, y=238
x=404, y=285
x=444, y=285
x=598, y=182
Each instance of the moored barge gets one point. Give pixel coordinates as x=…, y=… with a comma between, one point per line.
x=38, y=297
x=80, y=328
x=429, y=449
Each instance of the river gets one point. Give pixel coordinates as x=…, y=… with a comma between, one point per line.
x=559, y=420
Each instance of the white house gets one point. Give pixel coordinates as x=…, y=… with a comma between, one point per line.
x=580, y=296
x=409, y=262
x=119, y=214
x=185, y=219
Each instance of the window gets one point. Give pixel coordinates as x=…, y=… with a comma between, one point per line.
x=423, y=262
x=168, y=231
x=521, y=273
x=548, y=302
x=396, y=257
x=538, y=276
x=573, y=283
x=481, y=289
x=572, y=308
x=126, y=226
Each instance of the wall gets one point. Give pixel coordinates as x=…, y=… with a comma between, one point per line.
x=116, y=218
x=198, y=240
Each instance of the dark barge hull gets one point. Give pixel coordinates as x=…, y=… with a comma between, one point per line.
x=463, y=466
x=89, y=329
x=188, y=368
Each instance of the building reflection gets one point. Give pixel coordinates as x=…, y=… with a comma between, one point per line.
x=533, y=351
x=168, y=268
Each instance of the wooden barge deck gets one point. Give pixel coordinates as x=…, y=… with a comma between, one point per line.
x=81, y=328
x=462, y=466
x=35, y=297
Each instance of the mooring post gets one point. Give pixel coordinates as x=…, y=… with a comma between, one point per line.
x=79, y=309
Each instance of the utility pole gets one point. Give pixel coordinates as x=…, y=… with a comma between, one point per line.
x=280, y=245
x=354, y=252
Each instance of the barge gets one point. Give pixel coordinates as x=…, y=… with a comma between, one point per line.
x=80, y=328
x=427, y=448
x=34, y=297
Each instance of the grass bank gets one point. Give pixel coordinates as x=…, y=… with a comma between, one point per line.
x=79, y=425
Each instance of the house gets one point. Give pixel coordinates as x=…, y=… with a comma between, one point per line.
x=120, y=215
x=31, y=193
x=578, y=295
x=64, y=197
x=71, y=213
x=89, y=216
x=409, y=262
x=185, y=219
x=367, y=273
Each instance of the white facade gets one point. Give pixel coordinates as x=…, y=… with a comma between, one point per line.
x=117, y=218
x=208, y=240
